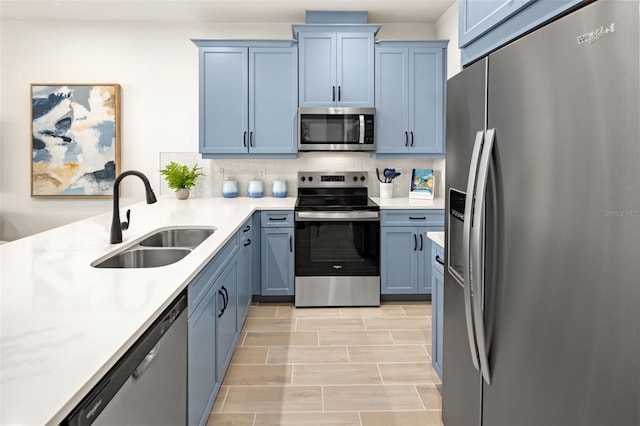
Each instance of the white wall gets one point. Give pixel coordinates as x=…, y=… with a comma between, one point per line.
x=447, y=28
x=157, y=67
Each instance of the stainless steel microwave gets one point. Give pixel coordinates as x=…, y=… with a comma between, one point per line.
x=336, y=129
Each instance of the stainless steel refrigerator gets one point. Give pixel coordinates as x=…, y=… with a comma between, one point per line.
x=541, y=292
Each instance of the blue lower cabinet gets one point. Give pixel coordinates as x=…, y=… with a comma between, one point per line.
x=219, y=298
x=277, y=253
x=245, y=270
x=226, y=318
x=437, y=306
x=203, y=383
x=405, y=260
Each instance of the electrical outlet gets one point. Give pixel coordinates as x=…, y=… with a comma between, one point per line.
x=220, y=173
x=262, y=172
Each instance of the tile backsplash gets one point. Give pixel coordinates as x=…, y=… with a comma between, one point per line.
x=216, y=171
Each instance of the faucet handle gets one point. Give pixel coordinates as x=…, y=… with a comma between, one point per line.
x=125, y=225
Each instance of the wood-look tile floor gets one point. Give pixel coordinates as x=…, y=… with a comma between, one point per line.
x=332, y=366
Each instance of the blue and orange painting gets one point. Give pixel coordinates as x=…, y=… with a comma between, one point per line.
x=74, y=139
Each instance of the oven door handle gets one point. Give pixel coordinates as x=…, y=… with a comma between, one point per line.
x=338, y=216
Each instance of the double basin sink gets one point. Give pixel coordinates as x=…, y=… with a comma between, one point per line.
x=162, y=247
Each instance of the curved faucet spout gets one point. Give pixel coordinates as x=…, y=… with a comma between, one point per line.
x=116, y=225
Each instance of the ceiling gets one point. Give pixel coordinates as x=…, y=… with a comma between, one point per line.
x=293, y=11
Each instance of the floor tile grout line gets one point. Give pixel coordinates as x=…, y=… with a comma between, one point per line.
x=415, y=387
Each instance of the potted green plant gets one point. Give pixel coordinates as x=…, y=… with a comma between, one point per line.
x=181, y=178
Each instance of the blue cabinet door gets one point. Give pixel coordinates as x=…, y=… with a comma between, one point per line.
x=223, y=100
x=244, y=260
x=355, y=70
x=317, y=69
x=226, y=317
x=484, y=26
x=409, y=97
x=255, y=254
x=426, y=100
x=202, y=377
x=277, y=261
x=477, y=17
x=273, y=100
x=399, y=260
x=391, y=100
x=437, y=306
x=336, y=69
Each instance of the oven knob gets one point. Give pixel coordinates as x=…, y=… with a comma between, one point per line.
x=355, y=178
x=362, y=178
x=310, y=178
x=302, y=178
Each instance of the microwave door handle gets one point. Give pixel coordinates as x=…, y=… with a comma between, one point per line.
x=466, y=247
x=477, y=249
x=361, y=139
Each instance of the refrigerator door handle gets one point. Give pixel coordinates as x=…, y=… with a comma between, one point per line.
x=466, y=247
x=477, y=250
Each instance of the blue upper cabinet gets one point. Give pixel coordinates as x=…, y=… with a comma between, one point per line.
x=409, y=97
x=248, y=99
x=485, y=25
x=336, y=67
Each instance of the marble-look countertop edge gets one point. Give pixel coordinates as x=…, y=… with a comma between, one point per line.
x=437, y=237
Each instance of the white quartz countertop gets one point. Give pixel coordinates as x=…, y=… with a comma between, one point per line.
x=64, y=324
x=436, y=237
x=408, y=203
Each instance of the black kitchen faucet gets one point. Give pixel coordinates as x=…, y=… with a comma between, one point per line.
x=116, y=225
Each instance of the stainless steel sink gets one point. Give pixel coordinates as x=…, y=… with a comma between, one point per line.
x=161, y=248
x=177, y=237
x=137, y=257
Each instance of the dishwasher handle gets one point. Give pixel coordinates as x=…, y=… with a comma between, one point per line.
x=146, y=362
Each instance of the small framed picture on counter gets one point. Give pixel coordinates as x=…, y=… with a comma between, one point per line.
x=422, y=184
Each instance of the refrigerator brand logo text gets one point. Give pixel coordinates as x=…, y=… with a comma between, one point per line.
x=595, y=35
x=622, y=213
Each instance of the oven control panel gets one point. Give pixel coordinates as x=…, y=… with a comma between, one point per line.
x=332, y=179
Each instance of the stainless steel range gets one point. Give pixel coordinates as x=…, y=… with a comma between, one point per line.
x=337, y=240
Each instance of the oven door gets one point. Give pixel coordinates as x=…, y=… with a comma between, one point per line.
x=337, y=244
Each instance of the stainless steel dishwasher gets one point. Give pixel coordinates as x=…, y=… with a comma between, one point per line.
x=148, y=385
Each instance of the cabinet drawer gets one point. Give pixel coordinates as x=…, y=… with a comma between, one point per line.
x=201, y=283
x=412, y=218
x=437, y=254
x=277, y=219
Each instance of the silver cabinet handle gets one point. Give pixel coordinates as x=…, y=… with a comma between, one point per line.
x=477, y=249
x=466, y=247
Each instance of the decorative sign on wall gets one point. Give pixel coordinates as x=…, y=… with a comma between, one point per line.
x=75, y=138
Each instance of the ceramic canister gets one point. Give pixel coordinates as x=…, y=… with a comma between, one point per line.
x=279, y=188
x=255, y=189
x=230, y=189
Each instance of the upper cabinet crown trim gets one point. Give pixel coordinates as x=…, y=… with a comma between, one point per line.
x=338, y=28
x=243, y=43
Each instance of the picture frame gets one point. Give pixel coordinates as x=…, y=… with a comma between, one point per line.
x=75, y=139
x=422, y=184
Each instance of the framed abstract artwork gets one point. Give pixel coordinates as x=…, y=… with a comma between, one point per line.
x=75, y=139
